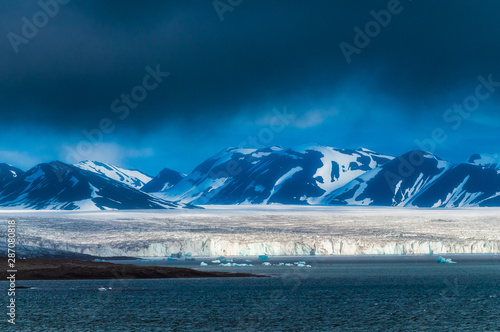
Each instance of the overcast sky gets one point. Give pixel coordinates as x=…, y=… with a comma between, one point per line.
x=154, y=84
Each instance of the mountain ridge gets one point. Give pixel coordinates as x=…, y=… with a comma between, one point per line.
x=60, y=186
x=308, y=174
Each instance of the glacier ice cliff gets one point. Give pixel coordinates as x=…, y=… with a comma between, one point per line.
x=247, y=231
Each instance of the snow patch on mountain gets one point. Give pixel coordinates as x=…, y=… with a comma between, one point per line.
x=488, y=160
x=280, y=181
x=132, y=178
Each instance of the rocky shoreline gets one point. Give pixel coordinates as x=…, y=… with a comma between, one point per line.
x=61, y=269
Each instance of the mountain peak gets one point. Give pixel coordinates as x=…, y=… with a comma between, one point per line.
x=8, y=173
x=303, y=148
x=166, y=179
x=58, y=164
x=488, y=160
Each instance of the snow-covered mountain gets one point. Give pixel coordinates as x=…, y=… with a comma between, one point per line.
x=8, y=173
x=308, y=174
x=488, y=160
x=463, y=185
x=166, y=179
x=60, y=186
x=302, y=175
x=132, y=178
x=395, y=183
x=316, y=174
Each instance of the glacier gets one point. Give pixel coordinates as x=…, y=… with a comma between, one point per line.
x=258, y=230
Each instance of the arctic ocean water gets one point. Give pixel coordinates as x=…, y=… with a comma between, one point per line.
x=359, y=295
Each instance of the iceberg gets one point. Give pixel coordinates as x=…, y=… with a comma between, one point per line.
x=266, y=264
x=203, y=264
x=236, y=264
x=217, y=261
x=441, y=259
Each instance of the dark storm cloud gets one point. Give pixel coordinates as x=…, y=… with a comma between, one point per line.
x=91, y=52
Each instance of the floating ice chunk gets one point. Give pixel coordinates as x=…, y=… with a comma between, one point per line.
x=217, y=261
x=308, y=265
x=225, y=264
x=288, y=264
x=300, y=265
x=203, y=264
x=281, y=264
x=444, y=260
x=102, y=289
x=248, y=261
x=266, y=264
x=236, y=264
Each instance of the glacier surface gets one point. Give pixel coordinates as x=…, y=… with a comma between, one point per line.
x=258, y=230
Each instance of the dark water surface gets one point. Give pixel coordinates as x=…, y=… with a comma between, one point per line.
x=364, y=295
